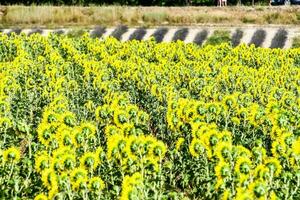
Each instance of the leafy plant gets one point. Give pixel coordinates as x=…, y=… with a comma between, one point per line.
x=83, y=118
x=296, y=42
x=218, y=37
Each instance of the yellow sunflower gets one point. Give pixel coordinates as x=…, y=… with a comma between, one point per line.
x=41, y=197
x=96, y=184
x=243, y=165
x=12, y=155
x=89, y=160
x=274, y=165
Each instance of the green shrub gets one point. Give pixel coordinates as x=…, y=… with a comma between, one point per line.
x=76, y=32
x=218, y=37
x=155, y=17
x=296, y=42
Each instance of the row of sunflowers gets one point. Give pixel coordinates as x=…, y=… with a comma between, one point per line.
x=83, y=118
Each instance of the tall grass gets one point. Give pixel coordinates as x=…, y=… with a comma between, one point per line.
x=218, y=37
x=296, y=42
x=51, y=16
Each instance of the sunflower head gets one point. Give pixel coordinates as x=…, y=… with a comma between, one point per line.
x=278, y=149
x=69, y=161
x=128, y=129
x=212, y=137
x=49, y=178
x=41, y=162
x=45, y=132
x=143, y=118
x=50, y=116
x=201, y=109
x=158, y=149
x=115, y=145
x=196, y=147
x=96, y=184
x=12, y=155
x=69, y=119
x=132, y=111
x=89, y=160
x=223, y=150
x=79, y=184
x=296, y=146
x=179, y=143
x=120, y=117
x=111, y=130
x=258, y=188
x=41, y=197
x=222, y=170
x=5, y=122
x=65, y=137
x=103, y=113
x=262, y=172
x=274, y=165
x=229, y=101
x=88, y=128
x=243, y=165
x=78, y=173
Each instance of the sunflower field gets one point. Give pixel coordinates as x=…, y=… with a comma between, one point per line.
x=83, y=118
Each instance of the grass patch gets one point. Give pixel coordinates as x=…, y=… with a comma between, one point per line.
x=248, y=20
x=76, y=32
x=218, y=37
x=87, y=17
x=219, y=19
x=298, y=16
x=155, y=17
x=271, y=17
x=296, y=42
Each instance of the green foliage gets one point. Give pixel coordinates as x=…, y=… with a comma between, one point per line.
x=83, y=118
x=296, y=42
x=218, y=37
x=76, y=33
x=109, y=2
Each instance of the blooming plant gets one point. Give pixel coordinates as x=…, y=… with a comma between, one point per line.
x=83, y=118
